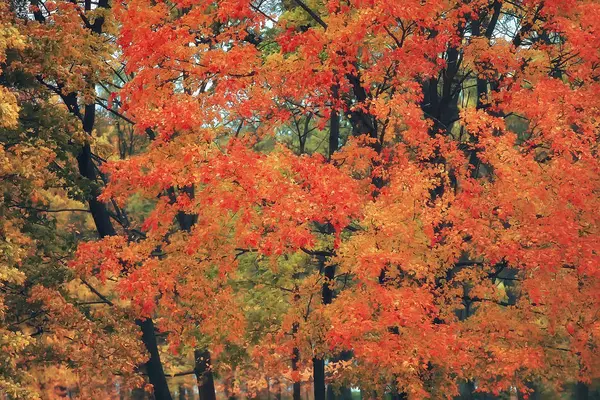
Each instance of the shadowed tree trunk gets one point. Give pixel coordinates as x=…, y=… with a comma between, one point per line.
x=399, y=396
x=155, y=371
x=343, y=393
x=319, y=378
x=203, y=371
x=327, y=271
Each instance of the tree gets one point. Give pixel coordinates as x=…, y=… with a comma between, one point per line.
x=49, y=157
x=41, y=219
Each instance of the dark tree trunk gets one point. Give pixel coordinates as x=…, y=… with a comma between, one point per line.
x=482, y=84
x=319, y=378
x=229, y=387
x=330, y=393
x=87, y=168
x=204, y=376
x=137, y=394
x=97, y=209
x=154, y=368
x=327, y=271
x=105, y=228
x=342, y=393
x=334, y=126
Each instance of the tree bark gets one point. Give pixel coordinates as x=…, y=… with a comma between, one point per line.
x=105, y=228
x=204, y=376
x=327, y=271
x=97, y=209
x=154, y=368
x=319, y=378
x=334, y=126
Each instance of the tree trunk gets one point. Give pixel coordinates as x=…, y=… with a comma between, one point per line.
x=344, y=393
x=154, y=368
x=105, y=228
x=137, y=394
x=97, y=209
x=204, y=376
x=319, y=378
x=334, y=127
x=329, y=271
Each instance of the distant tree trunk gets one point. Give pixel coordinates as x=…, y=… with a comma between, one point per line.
x=326, y=298
x=535, y=394
x=268, y=389
x=295, y=358
x=229, y=386
x=181, y=393
x=345, y=393
x=204, y=376
x=334, y=128
x=327, y=271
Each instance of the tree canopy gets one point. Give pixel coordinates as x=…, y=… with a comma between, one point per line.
x=396, y=197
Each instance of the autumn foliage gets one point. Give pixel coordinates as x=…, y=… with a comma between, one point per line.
x=397, y=196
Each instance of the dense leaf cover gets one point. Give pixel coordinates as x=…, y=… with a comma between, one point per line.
x=398, y=196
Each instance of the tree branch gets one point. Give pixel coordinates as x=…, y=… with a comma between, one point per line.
x=311, y=13
x=97, y=293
